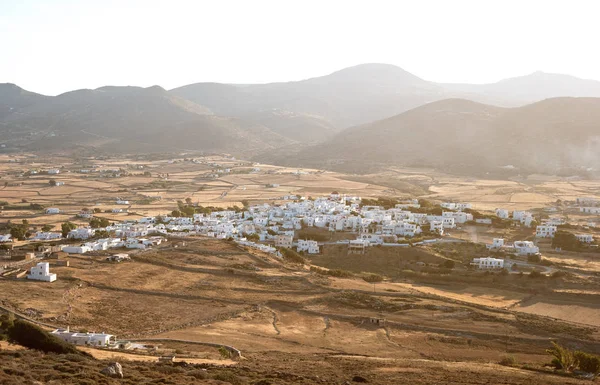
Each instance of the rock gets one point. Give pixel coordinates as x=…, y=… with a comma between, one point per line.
x=359, y=379
x=114, y=370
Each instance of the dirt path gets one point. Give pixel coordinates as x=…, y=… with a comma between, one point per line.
x=110, y=355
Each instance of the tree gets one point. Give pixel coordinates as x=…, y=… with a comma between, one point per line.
x=66, y=227
x=52, y=182
x=253, y=237
x=566, y=241
x=96, y=223
x=18, y=232
x=97, y=210
x=449, y=264
x=176, y=213
x=245, y=203
x=188, y=200
x=47, y=228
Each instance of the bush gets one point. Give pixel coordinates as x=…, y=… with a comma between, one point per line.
x=33, y=337
x=373, y=278
x=588, y=362
x=291, y=256
x=536, y=274
x=508, y=361
x=449, y=264
x=564, y=358
x=534, y=258
x=227, y=377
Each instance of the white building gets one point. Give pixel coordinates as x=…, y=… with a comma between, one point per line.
x=545, y=231
x=488, y=263
x=526, y=248
x=122, y=202
x=311, y=247
x=502, y=213
x=47, y=236
x=497, y=243
x=41, y=272
x=76, y=249
x=436, y=227
x=590, y=210
x=91, y=339
x=54, y=171
x=5, y=238
x=52, y=210
x=585, y=238
x=81, y=233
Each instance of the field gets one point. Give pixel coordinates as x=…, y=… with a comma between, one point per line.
x=293, y=323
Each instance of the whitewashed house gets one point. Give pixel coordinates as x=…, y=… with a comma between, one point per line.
x=545, y=231
x=590, y=210
x=54, y=171
x=488, y=263
x=41, y=272
x=76, y=249
x=436, y=227
x=47, y=236
x=5, y=238
x=81, y=233
x=525, y=248
x=497, y=243
x=90, y=339
x=311, y=247
x=502, y=213
x=585, y=238
x=122, y=202
x=52, y=210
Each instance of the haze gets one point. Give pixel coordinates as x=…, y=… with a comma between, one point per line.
x=52, y=47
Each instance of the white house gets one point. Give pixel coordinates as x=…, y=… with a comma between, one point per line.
x=311, y=247
x=46, y=236
x=545, y=231
x=502, y=213
x=483, y=221
x=76, y=249
x=525, y=248
x=590, y=210
x=41, y=272
x=488, y=263
x=436, y=227
x=585, y=238
x=284, y=241
x=91, y=339
x=497, y=243
x=5, y=238
x=54, y=171
x=81, y=233
x=52, y=210
x=122, y=202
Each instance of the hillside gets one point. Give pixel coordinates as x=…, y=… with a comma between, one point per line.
x=554, y=135
x=531, y=88
x=347, y=97
x=132, y=119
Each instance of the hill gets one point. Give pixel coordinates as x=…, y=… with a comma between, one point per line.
x=131, y=119
x=347, y=97
x=554, y=135
x=530, y=88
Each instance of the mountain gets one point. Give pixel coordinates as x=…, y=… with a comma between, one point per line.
x=13, y=98
x=460, y=135
x=132, y=119
x=530, y=88
x=347, y=97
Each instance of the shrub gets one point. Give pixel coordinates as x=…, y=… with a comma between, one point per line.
x=588, y=362
x=33, y=337
x=564, y=358
x=227, y=377
x=508, y=361
x=224, y=352
x=536, y=274
x=373, y=278
x=291, y=256
x=449, y=264
x=534, y=258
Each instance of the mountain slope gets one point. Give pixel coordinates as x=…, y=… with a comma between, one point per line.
x=347, y=97
x=546, y=136
x=132, y=119
x=13, y=98
x=531, y=88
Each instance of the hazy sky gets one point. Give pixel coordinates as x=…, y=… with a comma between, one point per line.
x=52, y=46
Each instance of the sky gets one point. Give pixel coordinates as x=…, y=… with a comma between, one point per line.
x=54, y=46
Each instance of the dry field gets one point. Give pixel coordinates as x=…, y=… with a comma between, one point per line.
x=213, y=291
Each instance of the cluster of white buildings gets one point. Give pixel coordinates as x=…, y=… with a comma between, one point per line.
x=521, y=248
x=90, y=339
x=523, y=217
